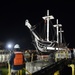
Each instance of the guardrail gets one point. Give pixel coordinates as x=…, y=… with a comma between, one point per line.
x=56, y=67
x=20, y=72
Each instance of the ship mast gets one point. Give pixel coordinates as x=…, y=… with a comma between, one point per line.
x=61, y=35
x=48, y=18
x=57, y=28
x=48, y=25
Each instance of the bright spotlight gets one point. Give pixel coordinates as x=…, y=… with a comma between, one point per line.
x=9, y=46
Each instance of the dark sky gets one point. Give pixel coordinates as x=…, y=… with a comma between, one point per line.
x=14, y=13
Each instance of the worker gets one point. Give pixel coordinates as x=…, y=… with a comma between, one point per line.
x=17, y=61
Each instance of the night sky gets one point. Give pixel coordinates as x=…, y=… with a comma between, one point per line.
x=14, y=13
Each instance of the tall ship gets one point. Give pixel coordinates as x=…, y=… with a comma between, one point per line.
x=52, y=41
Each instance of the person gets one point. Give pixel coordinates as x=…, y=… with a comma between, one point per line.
x=17, y=61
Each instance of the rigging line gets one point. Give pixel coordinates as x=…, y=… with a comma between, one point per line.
x=53, y=29
x=36, y=34
x=36, y=25
x=43, y=31
x=51, y=33
x=39, y=29
x=64, y=39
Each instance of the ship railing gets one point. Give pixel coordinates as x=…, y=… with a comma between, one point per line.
x=56, y=68
x=20, y=72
